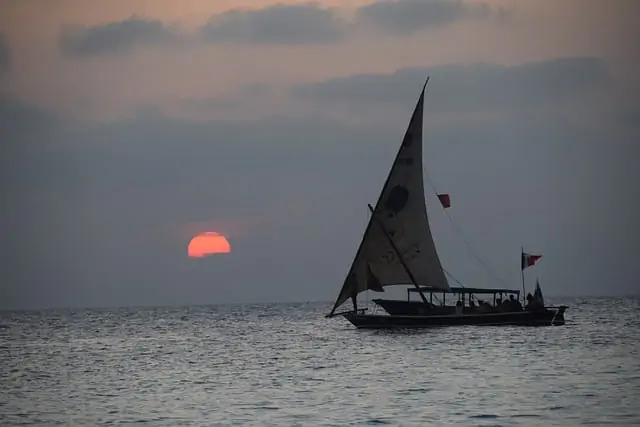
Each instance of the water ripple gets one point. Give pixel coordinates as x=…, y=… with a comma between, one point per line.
x=287, y=365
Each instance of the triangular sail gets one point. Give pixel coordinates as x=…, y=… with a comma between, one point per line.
x=402, y=210
x=537, y=295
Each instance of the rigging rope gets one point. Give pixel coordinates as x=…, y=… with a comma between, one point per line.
x=467, y=243
x=454, y=279
x=459, y=283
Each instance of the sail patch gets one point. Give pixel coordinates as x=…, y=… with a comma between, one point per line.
x=408, y=139
x=397, y=200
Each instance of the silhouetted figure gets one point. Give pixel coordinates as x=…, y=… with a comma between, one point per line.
x=354, y=299
x=515, y=304
x=529, y=305
x=459, y=307
x=484, y=307
x=535, y=304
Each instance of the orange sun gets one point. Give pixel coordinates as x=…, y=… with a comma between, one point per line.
x=209, y=243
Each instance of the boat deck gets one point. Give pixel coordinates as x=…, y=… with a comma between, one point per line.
x=551, y=316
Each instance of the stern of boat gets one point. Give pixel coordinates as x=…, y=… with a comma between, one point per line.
x=558, y=315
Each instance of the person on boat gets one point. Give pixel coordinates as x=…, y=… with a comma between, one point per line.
x=354, y=299
x=514, y=304
x=536, y=304
x=459, y=307
x=484, y=307
x=538, y=300
x=533, y=304
x=517, y=304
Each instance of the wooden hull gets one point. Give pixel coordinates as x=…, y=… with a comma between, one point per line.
x=412, y=308
x=547, y=317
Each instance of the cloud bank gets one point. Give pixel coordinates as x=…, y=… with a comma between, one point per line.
x=101, y=214
x=406, y=17
x=457, y=88
x=115, y=37
x=280, y=24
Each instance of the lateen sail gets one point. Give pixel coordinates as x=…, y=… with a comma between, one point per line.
x=402, y=210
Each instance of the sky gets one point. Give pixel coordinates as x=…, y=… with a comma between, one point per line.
x=130, y=126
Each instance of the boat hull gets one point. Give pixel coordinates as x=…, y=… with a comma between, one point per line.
x=412, y=308
x=547, y=317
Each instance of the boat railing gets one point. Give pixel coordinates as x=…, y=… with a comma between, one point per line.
x=479, y=291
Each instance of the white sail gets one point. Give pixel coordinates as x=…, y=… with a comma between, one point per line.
x=402, y=211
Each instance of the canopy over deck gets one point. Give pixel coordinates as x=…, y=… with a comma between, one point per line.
x=460, y=290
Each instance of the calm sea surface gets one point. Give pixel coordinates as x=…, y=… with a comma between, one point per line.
x=284, y=364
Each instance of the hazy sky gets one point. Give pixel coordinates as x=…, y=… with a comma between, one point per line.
x=129, y=126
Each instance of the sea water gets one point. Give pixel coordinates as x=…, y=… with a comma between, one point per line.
x=285, y=364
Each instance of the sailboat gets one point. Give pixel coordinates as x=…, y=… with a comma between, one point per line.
x=397, y=248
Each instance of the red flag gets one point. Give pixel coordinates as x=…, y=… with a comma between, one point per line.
x=529, y=260
x=445, y=200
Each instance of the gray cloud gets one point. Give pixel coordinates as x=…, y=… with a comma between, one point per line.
x=97, y=215
x=476, y=87
x=279, y=24
x=115, y=37
x=5, y=55
x=19, y=120
x=104, y=212
x=405, y=17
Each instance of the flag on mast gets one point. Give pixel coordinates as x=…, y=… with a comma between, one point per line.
x=528, y=260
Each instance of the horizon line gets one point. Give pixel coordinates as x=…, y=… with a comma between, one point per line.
x=240, y=303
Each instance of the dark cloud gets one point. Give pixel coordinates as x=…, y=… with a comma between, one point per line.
x=20, y=122
x=279, y=24
x=5, y=55
x=463, y=88
x=96, y=215
x=115, y=37
x=405, y=17
x=93, y=219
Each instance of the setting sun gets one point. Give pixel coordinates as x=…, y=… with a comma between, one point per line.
x=209, y=243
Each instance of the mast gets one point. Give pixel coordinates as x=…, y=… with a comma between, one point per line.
x=395, y=249
x=522, y=272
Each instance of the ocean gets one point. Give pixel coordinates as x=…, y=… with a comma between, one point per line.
x=285, y=364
